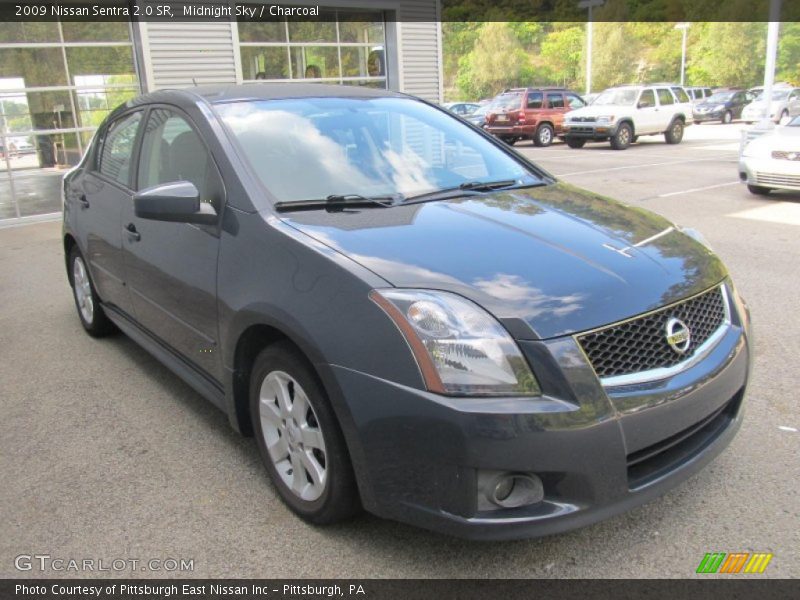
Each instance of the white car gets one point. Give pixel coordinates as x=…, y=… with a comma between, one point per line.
x=785, y=103
x=772, y=161
x=620, y=115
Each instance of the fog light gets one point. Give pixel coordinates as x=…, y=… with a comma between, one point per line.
x=512, y=490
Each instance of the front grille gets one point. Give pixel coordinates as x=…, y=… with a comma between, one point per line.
x=640, y=344
x=778, y=179
x=579, y=129
x=785, y=155
x=583, y=119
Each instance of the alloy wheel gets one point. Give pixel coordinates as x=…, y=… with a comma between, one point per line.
x=292, y=436
x=83, y=289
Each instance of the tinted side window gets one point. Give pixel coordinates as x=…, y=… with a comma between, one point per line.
x=173, y=151
x=647, y=99
x=535, y=100
x=665, y=97
x=116, y=150
x=574, y=101
x=555, y=100
x=680, y=94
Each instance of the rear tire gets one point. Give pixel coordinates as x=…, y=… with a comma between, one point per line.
x=91, y=314
x=299, y=438
x=574, y=142
x=544, y=135
x=622, y=138
x=758, y=190
x=674, y=134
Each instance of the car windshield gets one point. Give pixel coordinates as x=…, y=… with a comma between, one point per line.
x=776, y=95
x=618, y=96
x=507, y=101
x=311, y=148
x=720, y=97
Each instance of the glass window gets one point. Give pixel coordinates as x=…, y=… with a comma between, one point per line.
x=665, y=97
x=535, y=100
x=362, y=28
x=38, y=67
x=173, y=151
x=114, y=60
x=267, y=62
x=647, y=99
x=116, y=151
x=575, y=102
x=555, y=100
x=262, y=32
x=304, y=149
x=313, y=31
x=28, y=32
x=95, y=31
x=680, y=94
x=315, y=62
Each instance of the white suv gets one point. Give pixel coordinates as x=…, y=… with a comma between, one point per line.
x=621, y=114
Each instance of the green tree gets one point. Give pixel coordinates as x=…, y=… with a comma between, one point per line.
x=562, y=54
x=726, y=54
x=616, y=57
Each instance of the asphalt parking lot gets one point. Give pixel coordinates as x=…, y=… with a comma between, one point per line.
x=105, y=454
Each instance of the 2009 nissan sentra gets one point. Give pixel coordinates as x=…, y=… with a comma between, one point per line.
x=409, y=316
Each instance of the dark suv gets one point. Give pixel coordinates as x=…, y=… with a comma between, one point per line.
x=531, y=113
x=408, y=315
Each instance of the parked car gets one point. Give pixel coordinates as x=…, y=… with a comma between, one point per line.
x=723, y=106
x=757, y=90
x=621, y=114
x=772, y=160
x=462, y=108
x=785, y=103
x=478, y=116
x=698, y=94
x=531, y=113
x=406, y=314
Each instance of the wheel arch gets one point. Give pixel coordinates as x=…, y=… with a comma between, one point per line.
x=69, y=243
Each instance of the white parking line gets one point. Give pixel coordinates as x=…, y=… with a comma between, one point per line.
x=639, y=166
x=700, y=189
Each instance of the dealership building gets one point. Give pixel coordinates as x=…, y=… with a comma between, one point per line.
x=59, y=79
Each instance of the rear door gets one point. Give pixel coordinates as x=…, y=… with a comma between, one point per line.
x=101, y=194
x=171, y=268
x=666, y=108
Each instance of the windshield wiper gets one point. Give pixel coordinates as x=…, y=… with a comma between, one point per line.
x=338, y=202
x=470, y=188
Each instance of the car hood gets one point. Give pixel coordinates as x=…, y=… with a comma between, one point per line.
x=559, y=258
x=781, y=138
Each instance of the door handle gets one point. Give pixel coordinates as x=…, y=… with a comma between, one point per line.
x=83, y=201
x=130, y=229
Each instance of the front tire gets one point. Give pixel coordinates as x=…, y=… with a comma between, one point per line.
x=727, y=117
x=575, y=142
x=544, y=135
x=758, y=190
x=299, y=438
x=91, y=314
x=622, y=138
x=674, y=134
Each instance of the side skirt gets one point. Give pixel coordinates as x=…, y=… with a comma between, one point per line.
x=204, y=385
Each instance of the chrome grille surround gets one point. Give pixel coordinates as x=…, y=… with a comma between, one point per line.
x=779, y=179
x=636, y=350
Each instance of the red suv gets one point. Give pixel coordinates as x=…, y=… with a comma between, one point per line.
x=531, y=113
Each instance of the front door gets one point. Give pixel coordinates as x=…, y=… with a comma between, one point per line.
x=171, y=268
x=647, y=113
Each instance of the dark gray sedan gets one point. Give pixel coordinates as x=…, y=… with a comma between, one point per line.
x=409, y=316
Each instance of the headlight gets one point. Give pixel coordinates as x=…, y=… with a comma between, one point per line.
x=606, y=119
x=460, y=348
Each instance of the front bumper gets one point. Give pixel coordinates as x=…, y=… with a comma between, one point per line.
x=715, y=115
x=589, y=131
x=776, y=174
x=421, y=454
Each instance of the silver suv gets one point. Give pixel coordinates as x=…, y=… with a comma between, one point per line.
x=621, y=114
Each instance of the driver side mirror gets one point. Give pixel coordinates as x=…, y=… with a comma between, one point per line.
x=177, y=202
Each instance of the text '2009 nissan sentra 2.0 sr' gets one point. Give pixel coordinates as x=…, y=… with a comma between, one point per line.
x=409, y=316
